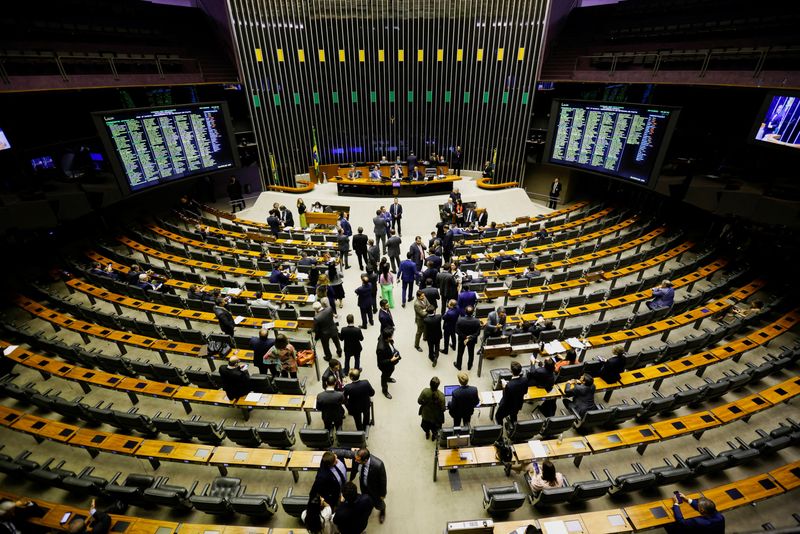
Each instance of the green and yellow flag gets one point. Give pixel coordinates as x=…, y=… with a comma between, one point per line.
x=315, y=151
x=274, y=168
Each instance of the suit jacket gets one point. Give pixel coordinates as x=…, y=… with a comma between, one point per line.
x=384, y=354
x=324, y=323
x=436, y=260
x=494, y=325
x=328, y=485
x=483, y=218
x=101, y=523
x=260, y=348
x=541, y=378
x=466, y=299
x=433, y=327
x=224, y=317
x=344, y=243
x=513, y=397
x=408, y=270
x=463, y=402
x=351, y=336
x=583, y=397
x=274, y=224
x=448, y=287
x=393, y=246
x=331, y=405
x=432, y=294
x=360, y=243
x=364, y=293
x=555, y=189
x=612, y=368
x=664, y=297
x=417, y=255
x=287, y=217
x=714, y=524
x=374, y=253
x=337, y=375
x=429, y=274
x=376, y=478
x=449, y=320
x=352, y=517
x=278, y=277
x=235, y=382
x=357, y=394
x=386, y=320
x=346, y=228
x=469, y=216
x=396, y=210
x=468, y=326
x=379, y=225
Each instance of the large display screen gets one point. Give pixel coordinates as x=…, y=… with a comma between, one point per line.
x=625, y=141
x=778, y=121
x=158, y=145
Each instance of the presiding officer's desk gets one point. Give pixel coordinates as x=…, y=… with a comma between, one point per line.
x=441, y=183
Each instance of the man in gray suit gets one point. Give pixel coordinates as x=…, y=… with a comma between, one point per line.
x=393, y=250
x=380, y=229
x=325, y=329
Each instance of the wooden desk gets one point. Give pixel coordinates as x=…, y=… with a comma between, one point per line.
x=788, y=475
x=386, y=188
x=637, y=436
x=570, y=447
x=148, y=526
x=95, y=441
x=606, y=522
x=783, y=392
x=695, y=424
x=8, y=416
x=42, y=429
x=155, y=450
x=224, y=457
x=741, y=492
x=572, y=524
x=741, y=409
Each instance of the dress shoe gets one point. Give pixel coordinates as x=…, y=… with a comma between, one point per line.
x=404, y=305
x=391, y=380
x=387, y=395
x=418, y=349
x=362, y=327
x=435, y=361
x=382, y=517
x=427, y=435
x=456, y=366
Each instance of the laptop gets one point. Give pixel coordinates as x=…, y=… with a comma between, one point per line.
x=448, y=394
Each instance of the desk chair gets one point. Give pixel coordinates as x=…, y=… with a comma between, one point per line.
x=291, y=386
x=294, y=505
x=502, y=500
x=629, y=482
x=255, y=505
x=558, y=424
x=205, y=431
x=485, y=435
x=317, y=439
x=551, y=496
x=216, y=496
x=352, y=439
x=525, y=430
x=131, y=490
x=277, y=437
x=590, y=489
x=176, y=497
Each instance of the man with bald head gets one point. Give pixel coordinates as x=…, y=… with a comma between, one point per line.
x=235, y=378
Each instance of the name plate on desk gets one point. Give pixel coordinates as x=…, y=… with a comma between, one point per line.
x=483, y=526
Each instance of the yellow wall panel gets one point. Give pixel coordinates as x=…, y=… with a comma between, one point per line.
x=301, y=55
x=440, y=55
x=499, y=54
x=380, y=55
x=520, y=54
x=401, y=55
x=420, y=55
x=259, y=55
x=361, y=56
x=459, y=55
x=479, y=55
x=280, y=55
x=321, y=55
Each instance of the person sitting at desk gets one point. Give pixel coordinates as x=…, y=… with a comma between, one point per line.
x=383, y=159
x=353, y=173
x=579, y=395
x=531, y=272
x=612, y=367
x=664, y=296
x=495, y=323
x=279, y=277
x=488, y=169
x=545, y=478
x=316, y=207
x=375, y=173
x=458, y=213
x=492, y=231
x=710, y=520
x=570, y=358
x=740, y=313
x=541, y=233
x=261, y=302
x=502, y=256
x=397, y=173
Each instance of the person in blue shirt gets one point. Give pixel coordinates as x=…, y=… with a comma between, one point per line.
x=664, y=296
x=408, y=274
x=709, y=522
x=466, y=298
x=279, y=277
x=344, y=224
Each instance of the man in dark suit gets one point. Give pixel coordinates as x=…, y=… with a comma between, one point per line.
x=466, y=299
x=555, y=191
x=581, y=395
x=393, y=250
x=331, y=478
x=431, y=293
x=387, y=357
x=260, y=346
x=457, y=158
x=709, y=522
x=396, y=211
x=352, y=514
x=543, y=376
x=448, y=286
x=364, y=292
x=331, y=405
x=408, y=273
x=379, y=228
x=360, y=247
x=463, y=402
x=344, y=248
x=286, y=217
x=433, y=334
x=614, y=366
x=274, y=222
x=371, y=475
x=429, y=273
x=483, y=218
x=513, y=396
x=235, y=378
x=225, y=318
x=417, y=250
x=357, y=396
x=385, y=318
x=325, y=329
x=352, y=337
x=99, y=522
x=373, y=255
x=344, y=224
x=277, y=276
x=469, y=216
x=468, y=328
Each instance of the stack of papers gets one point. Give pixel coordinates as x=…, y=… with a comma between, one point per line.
x=9, y=349
x=253, y=397
x=312, y=298
x=554, y=347
x=473, y=274
x=231, y=291
x=266, y=326
x=302, y=276
x=537, y=448
x=238, y=319
x=576, y=343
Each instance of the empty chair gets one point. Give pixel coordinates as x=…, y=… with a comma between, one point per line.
x=552, y=496
x=684, y=397
x=291, y=386
x=205, y=431
x=216, y=496
x=558, y=424
x=176, y=497
x=590, y=489
x=525, y=430
x=294, y=505
x=246, y=436
x=131, y=490
x=255, y=505
x=262, y=384
x=169, y=373
x=635, y=481
x=596, y=417
x=485, y=435
x=351, y=439
x=670, y=474
x=654, y=405
x=132, y=420
x=502, y=500
x=171, y=427
x=49, y=476
x=200, y=378
x=278, y=438
x=316, y=438
x=623, y=412
x=85, y=483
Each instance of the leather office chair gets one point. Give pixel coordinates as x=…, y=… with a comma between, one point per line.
x=131, y=490
x=277, y=437
x=200, y=378
x=255, y=505
x=636, y=481
x=485, y=435
x=552, y=496
x=244, y=436
x=169, y=373
x=132, y=420
x=85, y=483
x=590, y=489
x=205, y=431
x=593, y=418
x=176, y=497
x=623, y=412
x=670, y=474
x=558, y=424
x=294, y=505
x=525, y=430
x=351, y=439
x=502, y=500
x=216, y=496
x=262, y=384
x=317, y=439
x=171, y=427
x=291, y=386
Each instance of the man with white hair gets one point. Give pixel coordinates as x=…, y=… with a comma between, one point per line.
x=235, y=378
x=664, y=296
x=325, y=329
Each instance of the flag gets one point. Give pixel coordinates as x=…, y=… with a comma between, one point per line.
x=274, y=168
x=315, y=152
x=494, y=156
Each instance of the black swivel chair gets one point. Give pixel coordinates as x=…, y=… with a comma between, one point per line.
x=294, y=505
x=216, y=496
x=502, y=500
x=255, y=505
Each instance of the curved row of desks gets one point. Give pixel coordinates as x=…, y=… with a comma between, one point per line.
x=300, y=243
x=639, y=436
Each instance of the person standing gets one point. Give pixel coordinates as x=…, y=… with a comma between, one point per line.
x=448, y=287
x=360, y=248
x=385, y=318
x=331, y=478
x=386, y=281
x=420, y=312
x=344, y=248
x=352, y=338
x=331, y=405
x=344, y=224
x=235, y=378
x=513, y=396
x=274, y=222
x=285, y=353
x=352, y=514
x=325, y=329
x=379, y=228
x=260, y=346
x=543, y=377
x=373, y=255
x=463, y=402
x=357, y=395
x=466, y=299
x=458, y=157
x=224, y=317
x=417, y=250
x=235, y=194
x=286, y=217
x=408, y=275
x=388, y=357
x=555, y=191
x=334, y=370
x=449, y=320
x=371, y=474
x=364, y=292
x=431, y=408
x=433, y=333
x=301, y=213
x=468, y=328
x=372, y=276
x=393, y=250
x=396, y=211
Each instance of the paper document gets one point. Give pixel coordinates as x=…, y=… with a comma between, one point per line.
x=302, y=276
x=575, y=343
x=231, y=291
x=554, y=527
x=473, y=274
x=537, y=448
x=238, y=319
x=9, y=349
x=253, y=397
x=267, y=326
x=312, y=298
x=554, y=347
